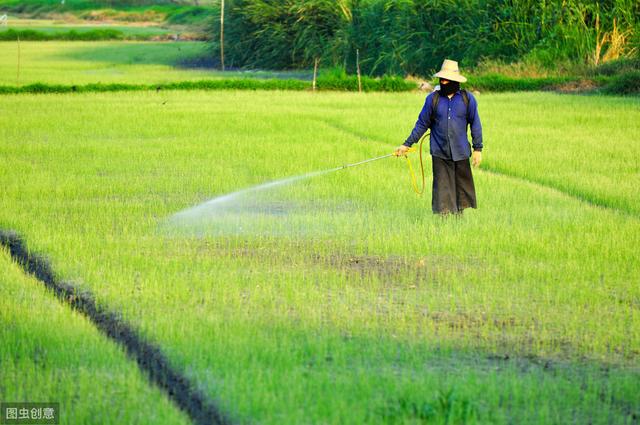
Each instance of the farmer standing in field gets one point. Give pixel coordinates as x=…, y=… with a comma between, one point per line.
x=447, y=112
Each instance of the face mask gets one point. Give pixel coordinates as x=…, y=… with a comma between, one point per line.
x=450, y=88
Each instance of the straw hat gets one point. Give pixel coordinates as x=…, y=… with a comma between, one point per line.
x=450, y=71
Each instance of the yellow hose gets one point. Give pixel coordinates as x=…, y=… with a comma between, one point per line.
x=414, y=180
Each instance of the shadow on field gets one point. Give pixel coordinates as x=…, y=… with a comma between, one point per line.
x=184, y=55
x=141, y=53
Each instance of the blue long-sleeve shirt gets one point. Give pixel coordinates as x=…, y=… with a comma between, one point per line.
x=449, y=131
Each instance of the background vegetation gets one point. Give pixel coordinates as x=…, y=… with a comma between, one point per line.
x=161, y=11
x=412, y=37
x=502, y=45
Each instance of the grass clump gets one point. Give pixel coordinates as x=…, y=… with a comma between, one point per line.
x=617, y=67
x=626, y=83
x=501, y=83
x=383, y=84
x=71, y=35
x=350, y=83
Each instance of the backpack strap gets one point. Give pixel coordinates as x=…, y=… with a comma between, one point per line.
x=465, y=99
x=436, y=99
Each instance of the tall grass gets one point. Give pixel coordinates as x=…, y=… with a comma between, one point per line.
x=71, y=35
x=412, y=37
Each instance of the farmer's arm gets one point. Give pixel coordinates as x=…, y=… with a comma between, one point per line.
x=418, y=130
x=474, y=122
x=422, y=125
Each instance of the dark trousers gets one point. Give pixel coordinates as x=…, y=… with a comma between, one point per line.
x=453, y=188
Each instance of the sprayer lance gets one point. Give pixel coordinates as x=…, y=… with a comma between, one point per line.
x=365, y=161
x=371, y=160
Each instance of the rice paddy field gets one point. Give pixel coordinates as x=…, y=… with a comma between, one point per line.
x=337, y=298
x=53, y=26
x=139, y=62
x=83, y=62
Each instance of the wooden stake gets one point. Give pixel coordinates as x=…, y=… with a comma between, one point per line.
x=222, y=34
x=315, y=72
x=358, y=70
x=18, y=73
